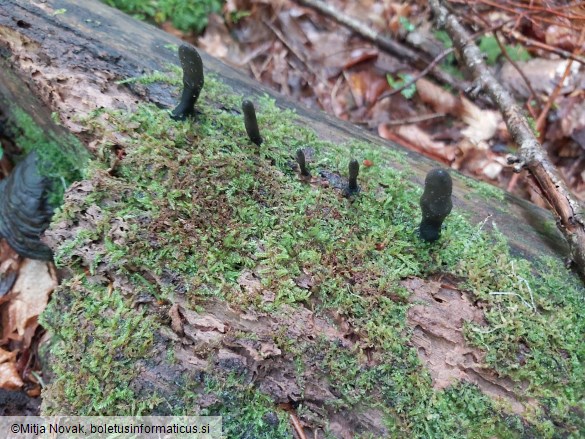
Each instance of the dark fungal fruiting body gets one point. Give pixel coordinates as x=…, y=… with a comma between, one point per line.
x=192, y=82
x=302, y=164
x=250, y=122
x=435, y=203
x=352, y=186
x=24, y=209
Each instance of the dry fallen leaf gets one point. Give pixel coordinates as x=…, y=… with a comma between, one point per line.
x=418, y=137
x=482, y=124
x=30, y=296
x=438, y=98
x=6, y=356
x=9, y=378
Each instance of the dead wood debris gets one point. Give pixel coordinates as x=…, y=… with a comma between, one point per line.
x=385, y=43
x=531, y=154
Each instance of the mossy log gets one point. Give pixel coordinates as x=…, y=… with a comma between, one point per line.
x=206, y=277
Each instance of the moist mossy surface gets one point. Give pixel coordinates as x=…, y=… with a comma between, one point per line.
x=61, y=158
x=186, y=208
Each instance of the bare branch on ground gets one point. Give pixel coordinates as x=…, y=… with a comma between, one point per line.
x=532, y=156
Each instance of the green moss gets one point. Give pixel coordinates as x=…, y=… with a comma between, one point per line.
x=482, y=188
x=157, y=77
x=100, y=335
x=201, y=202
x=62, y=159
x=246, y=412
x=184, y=15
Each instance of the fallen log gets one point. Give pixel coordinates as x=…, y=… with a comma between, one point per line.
x=205, y=277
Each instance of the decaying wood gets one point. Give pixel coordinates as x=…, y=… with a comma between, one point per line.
x=532, y=156
x=92, y=46
x=72, y=63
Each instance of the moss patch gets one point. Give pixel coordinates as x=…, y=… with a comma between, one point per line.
x=192, y=206
x=62, y=159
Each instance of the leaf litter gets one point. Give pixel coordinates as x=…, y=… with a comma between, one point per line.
x=318, y=62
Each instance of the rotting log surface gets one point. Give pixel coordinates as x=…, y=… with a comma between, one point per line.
x=71, y=62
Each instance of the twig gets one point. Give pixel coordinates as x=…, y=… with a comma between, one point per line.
x=530, y=42
x=532, y=155
x=533, y=94
x=387, y=44
x=290, y=47
x=535, y=10
x=415, y=119
x=419, y=75
x=297, y=425
x=542, y=118
x=504, y=51
x=433, y=63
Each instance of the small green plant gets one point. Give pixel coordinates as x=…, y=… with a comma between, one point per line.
x=407, y=25
x=490, y=47
x=184, y=15
x=409, y=91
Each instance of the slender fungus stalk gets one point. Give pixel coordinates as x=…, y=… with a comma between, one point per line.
x=192, y=82
x=302, y=163
x=352, y=186
x=251, y=122
x=435, y=203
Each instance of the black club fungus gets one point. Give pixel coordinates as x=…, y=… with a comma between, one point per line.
x=192, y=82
x=352, y=187
x=251, y=122
x=302, y=164
x=435, y=203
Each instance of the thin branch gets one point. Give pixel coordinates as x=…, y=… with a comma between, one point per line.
x=291, y=47
x=419, y=75
x=504, y=51
x=542, y=118
x=536, y=9
x=386, y=44
x=297, y=425
x=533, y=94
x=530, y=42
x=436, y=61
x=532, y=155
x=416, y=119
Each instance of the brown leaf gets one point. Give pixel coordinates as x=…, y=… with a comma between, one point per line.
x=31, y=294
x=482, y=124
x=9, y=377
x=218, y=42
x=359, y=55
x=419, y=138
x=543, y=75
x=438, y=98
x=6, y=356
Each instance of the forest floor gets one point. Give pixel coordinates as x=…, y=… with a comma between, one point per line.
x=536, y=52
